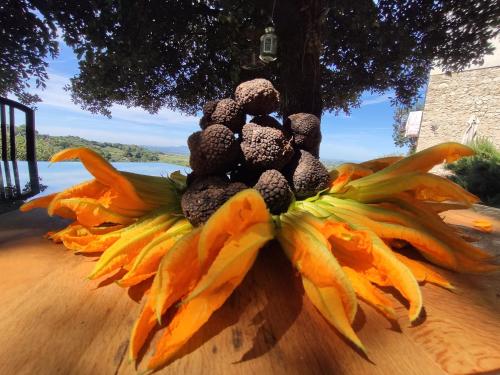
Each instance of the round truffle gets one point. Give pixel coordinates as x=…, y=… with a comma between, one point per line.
x=274, y=188
x=214, y=150
x=245, y=175
x=229, y=113
x=257, y=97
x=190, y=178
x=306, y=131
x=205, y=195
x=265, y=148
x=266, y=120
x=193, y=141
x=307, y=175
x=235, y=187
x=205, y=122
x=209, y=107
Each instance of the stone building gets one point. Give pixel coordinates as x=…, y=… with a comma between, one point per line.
x=459, y=106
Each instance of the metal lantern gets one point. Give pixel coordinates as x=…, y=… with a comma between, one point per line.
x=268, y=45
x=250, y=61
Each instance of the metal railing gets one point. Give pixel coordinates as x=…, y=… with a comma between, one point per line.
x=10, y=186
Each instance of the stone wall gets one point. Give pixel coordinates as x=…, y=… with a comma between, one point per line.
x=452, y=99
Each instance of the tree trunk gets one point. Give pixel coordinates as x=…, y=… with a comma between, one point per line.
x=298, y=26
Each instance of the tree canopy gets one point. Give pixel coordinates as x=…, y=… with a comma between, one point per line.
x=26, y=40
x=178, y=54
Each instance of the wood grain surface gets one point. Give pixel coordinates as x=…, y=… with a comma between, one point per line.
x=54, y=321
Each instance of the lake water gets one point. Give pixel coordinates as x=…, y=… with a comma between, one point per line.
x=59, y=176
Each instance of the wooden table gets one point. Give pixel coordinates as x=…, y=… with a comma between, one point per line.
x=53, y=321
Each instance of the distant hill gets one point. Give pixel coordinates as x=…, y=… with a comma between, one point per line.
x=48, y=145
x=332, y=163
x=179, y=150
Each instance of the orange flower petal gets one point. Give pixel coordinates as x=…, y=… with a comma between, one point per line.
x=483, y=225
x=42, y=202
x=423, y=272
x=87, y=211
x=103, y=171
x=369, y=293
x=222, y=277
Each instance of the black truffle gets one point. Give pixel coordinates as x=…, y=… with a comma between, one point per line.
x=266, y=120
x=307, y=175
x=274, y=188
x=205, y=195
x=257, y=97
x=265, y=148
x=209, y=108
x=245, y=175
x=205, y=122
x=306, y=131
x=190, y=178
x=214, y=150
x=229, y=113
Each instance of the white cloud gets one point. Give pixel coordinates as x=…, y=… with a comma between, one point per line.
x=55, y=96
x=58, y=115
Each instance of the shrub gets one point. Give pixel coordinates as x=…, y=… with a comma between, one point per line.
x=480, y=174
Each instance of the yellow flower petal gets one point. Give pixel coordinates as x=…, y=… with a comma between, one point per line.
x=483, y=225
x=147, y=261
x=369, y=293
x=87, y=211
x=329, y=303
x=421, y=162
x=424, y=273
x=240, y=212
x=380, y=163
x=177, y=274
x=103, y=171
x=42, y=202
x=223, y=276
x=367, y=254
x=131, y=241
x=310, y=253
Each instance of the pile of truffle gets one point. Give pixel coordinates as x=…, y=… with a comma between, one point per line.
x=229, y=154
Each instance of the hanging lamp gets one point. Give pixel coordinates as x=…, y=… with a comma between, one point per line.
x=268, y=45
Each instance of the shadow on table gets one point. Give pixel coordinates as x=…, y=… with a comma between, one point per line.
x=271, y=275
x=276, y=276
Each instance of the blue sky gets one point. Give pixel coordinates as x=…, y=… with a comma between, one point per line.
x=366, y=133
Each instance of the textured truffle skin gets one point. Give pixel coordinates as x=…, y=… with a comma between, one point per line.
x=307, y=175
x=193, y=140
x=193, y=177
x=234, y=188
x=265, y=148
x=209, y=108
x=214, y=150
x=274, y=188
x=306, y=131
x=257, y=97
x=266, y=120
x=190, y=178
x=229, y=113
x=205, y=122
x=205, y=195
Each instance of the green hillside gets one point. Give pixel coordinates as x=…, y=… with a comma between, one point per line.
x=48, y=145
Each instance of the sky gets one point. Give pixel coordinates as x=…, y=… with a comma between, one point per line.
x=363, y=134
